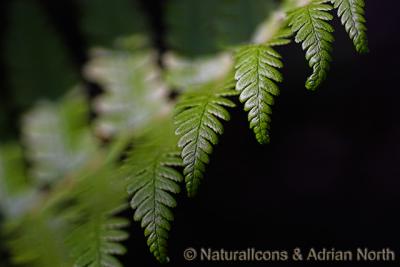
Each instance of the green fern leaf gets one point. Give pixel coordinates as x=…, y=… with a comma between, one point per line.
x=352, y=17
x=281, y=38
x=310, y=23
x=256, y=74
x=197, y=123
x=152, y=180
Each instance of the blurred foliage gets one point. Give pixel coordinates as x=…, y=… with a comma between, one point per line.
x=39, y=65
x=57, y=138
x=134, y=92
x=182, y=73
x=198, y=28
x=16, y=194
x=103, y=21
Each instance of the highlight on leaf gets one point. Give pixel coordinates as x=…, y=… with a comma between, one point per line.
x=310, y=24
x=197, y=118
x=256, y=75
x=352, y=15
x=152, y=181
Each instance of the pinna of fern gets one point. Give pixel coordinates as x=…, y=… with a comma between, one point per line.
x=152, y=180
x=313, y=31
x=197, y=118
x=352, y=16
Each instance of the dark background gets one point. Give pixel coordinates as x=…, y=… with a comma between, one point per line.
x=329, y=178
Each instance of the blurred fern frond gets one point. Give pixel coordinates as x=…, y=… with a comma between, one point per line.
x=185, y=73
x=57, y=138
x=134, y=92
x=97, y=230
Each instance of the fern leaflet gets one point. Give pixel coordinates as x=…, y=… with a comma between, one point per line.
x=352, y=17
x=151, y=181
x=256, y=74
x=281, y=38
x=97, y=231
x=197, y=124
x=315, y=33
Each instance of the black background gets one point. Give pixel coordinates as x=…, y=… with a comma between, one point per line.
x=329, y=178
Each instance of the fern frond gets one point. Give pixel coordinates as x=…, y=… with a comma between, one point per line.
x=152, y=180
x=256, y=74
x=352, y=15
x=57, y=138
x=102, y=248
x=197, y=121
x=184, y=73
x=98, y=231
x=281, y=38
x=310, y=23
x=134, y=92
x=38, y=239
x=73, y=225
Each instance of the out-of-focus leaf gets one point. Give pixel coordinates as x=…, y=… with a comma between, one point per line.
x=15, y=194
x=57, y=138
x=134, y=92
x=38, y=240
x=37, y=61
x=97, y=231
x=12, y=169
x=238, y=19
x=205, y=27
x=104, y=21
x=73, y=225
x=183, y=73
